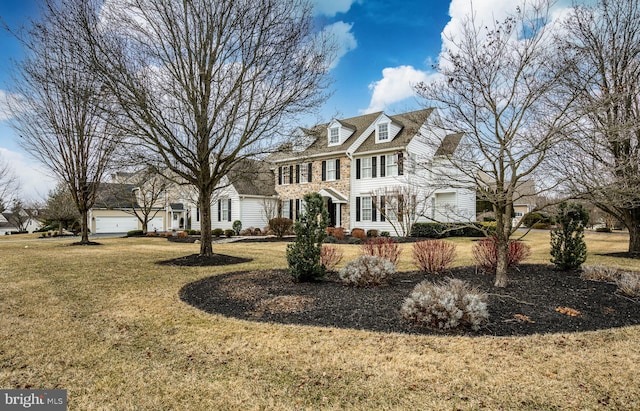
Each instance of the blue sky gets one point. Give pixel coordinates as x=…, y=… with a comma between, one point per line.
x=386, y=47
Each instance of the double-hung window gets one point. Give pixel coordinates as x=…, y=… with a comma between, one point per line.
x=383, y=131
x=331, y=170
x=366, y=208
x=334, y=135
x=392, y=165
x=366, y=167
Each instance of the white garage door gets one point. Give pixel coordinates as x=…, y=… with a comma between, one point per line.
x=155, y=224
x=116, y=224
x=445, y=207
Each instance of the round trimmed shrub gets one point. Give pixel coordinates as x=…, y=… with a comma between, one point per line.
x=367, y=270
x=229, y=233
x=217, y=232
x=444, y=306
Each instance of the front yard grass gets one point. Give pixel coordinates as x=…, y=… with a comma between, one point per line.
x=106, y=323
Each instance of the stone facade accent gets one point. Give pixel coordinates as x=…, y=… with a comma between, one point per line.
x=298, y=190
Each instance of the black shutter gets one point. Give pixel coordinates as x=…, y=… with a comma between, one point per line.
x=290, y=174
x=279, y=176
x=297, y=208
x=357, y=169
x=219, y=210
x=383, y=208
x=324, y=171
x=310, y=172
x=374, y=160
x=229, y=210
x=291, y=209
x=357, y=208
x=382, y=166
x=374, y=205
x=338, y=169
x=400, y=164
x=280, y=208
x=297, y=173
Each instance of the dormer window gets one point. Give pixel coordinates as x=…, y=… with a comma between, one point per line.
x=383, y=131
x=334, y=135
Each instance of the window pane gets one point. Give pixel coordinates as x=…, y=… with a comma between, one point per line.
x=383, y=131
x=333, y=135
x=392, y=165
x=331, y=170
x=366, y=167
x=366, y=208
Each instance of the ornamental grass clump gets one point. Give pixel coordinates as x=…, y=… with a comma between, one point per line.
x=367, y=270
x=434, y=256
x=382, y=247
x=629, y=284
x=445, y=306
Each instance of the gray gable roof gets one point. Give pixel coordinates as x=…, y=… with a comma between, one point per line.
x=449, y=144
x=252, y=177
x=115, y=195
x=410, y=123
x=320, y=144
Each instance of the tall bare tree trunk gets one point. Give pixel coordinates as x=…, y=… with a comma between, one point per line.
x=204, y=201
x=84, y=218
x=633, y=225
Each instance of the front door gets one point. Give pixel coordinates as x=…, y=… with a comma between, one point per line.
x=331, y=208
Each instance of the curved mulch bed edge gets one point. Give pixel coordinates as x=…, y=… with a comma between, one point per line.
x=527, y=306
x=196, y=260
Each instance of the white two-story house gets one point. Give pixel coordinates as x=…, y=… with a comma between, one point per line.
x=374, y=172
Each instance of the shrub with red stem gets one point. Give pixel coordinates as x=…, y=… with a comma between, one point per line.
x=383, y=247
x=433, y=256
x=330, y=256
x=485, y=253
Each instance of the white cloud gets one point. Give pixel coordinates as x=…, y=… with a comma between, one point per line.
x=332, y=7
x=397, y=84
x=35, y=182
x=345, y=40
x=487, y=12
x=5, y=100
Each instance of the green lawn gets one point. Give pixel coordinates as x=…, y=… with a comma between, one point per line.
x=106, y=324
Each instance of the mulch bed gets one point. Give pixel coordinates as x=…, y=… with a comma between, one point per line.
x=538, y=299
x=197, y=260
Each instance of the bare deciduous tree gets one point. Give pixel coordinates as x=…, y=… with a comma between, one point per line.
x=401, y=206
x=603, y=158
x=61, y=114
x=499, y=87
x=140, y=193
x=205, y=84
x=9, y=184
x=60, y=207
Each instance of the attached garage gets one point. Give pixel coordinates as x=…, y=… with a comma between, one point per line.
x=445, y=207
x=155, y=224
x=120, y=224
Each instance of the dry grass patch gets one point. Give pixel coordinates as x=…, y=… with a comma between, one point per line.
x=106, y=323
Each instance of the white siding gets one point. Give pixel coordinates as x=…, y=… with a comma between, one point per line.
x=252, y=213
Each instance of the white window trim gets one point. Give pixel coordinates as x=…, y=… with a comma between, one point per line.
x=366, y=171
x=391, y=163
x=366, y=201
x=224, y=209
x=337, y=136
x=286, y=172
x=304, y=173
x=286, y=211
x=388, y=132
x=331, y=169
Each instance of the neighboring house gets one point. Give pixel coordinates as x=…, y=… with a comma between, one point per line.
x=363, y=165
x=31, y=224
x=6, y=228
x=246, y=194
x=113, y=211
